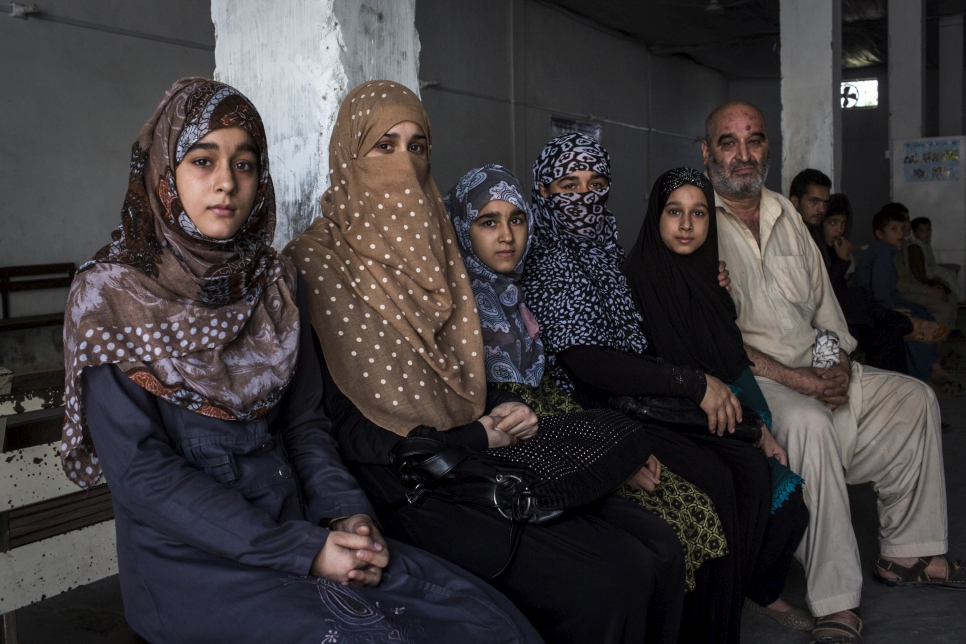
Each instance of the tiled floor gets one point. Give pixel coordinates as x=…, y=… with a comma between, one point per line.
x=94, y=615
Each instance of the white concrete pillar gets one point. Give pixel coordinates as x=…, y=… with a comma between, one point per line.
x=811, y=65
x=907, y=68
x=951, y=75
x=296, y=60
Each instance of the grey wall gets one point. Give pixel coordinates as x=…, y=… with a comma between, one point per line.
x=72, y=102
x=865, y=169
x=505, y=66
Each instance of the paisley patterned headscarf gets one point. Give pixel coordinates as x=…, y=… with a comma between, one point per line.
x=690, y=319
x=208, y=324
x=573, y=277
x=512, y=353
x=392, y=304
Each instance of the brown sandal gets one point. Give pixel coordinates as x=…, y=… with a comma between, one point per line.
x=915, y=575
x=842, y=633
x=926, y=331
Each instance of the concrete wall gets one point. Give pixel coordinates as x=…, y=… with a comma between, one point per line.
x=503, y=67
x=72, y=101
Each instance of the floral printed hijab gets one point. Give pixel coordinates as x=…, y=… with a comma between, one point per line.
x=512, y=353
x=210, y=325
x=573, y=277
x=392, y=304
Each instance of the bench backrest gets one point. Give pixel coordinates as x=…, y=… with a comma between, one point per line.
x=32, y=278
x=53, y=535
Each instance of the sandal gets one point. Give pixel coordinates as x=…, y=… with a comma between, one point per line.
x=842, y=632
x=915, y=575
x=797, y=618
x=926, y=331
x=951, y=388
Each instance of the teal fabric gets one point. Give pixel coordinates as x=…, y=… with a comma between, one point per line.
x=783, y=480
x=783, y=483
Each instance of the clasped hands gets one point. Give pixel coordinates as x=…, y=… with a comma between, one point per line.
x=828, y=385
x=354, y=553
x=509, y=423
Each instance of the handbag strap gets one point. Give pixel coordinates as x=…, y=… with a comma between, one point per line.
x=438, y=462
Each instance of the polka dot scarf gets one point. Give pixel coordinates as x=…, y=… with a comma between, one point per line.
x=210, y=325
x=512, y=354
x=388, y=292
x=573, y=277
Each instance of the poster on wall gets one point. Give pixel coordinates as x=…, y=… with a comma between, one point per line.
x=560, y=126
x=930, y=160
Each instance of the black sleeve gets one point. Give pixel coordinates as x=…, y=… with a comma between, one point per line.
x=616, y=373
x=472, y=435
x=837, y=271
x=496, y=397
x=362, y=441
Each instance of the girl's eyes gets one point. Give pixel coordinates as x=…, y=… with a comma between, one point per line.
x=201, y=162
x=518, y=221
x=245, y=166
x=416, y=148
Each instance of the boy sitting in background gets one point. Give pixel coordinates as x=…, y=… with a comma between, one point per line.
x=922, y=261
x=877, y=272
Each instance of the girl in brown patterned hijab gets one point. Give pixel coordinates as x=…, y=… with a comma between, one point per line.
x=389, y=296
x=190, y=300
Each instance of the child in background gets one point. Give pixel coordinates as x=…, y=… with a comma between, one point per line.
x=877, y=272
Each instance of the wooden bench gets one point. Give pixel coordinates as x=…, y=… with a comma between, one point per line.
x=31, y=278
x=53, y=535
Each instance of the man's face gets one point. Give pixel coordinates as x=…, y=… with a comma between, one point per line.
x=811, y=205
x=736, y=155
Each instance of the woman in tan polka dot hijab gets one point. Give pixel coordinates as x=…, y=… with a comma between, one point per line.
x=388, y=293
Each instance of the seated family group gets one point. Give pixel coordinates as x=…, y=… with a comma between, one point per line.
x=248, y=407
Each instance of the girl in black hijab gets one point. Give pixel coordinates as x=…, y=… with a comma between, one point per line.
x=690, y=320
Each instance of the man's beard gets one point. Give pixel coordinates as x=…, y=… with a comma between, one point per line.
x=730, y=186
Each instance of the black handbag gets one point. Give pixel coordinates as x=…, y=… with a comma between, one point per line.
x=683, y=415
x=574, y=460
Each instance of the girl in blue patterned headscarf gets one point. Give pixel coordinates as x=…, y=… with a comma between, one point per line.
x=512, y=350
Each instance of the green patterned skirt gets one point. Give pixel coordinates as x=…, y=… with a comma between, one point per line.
x=688, y=510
